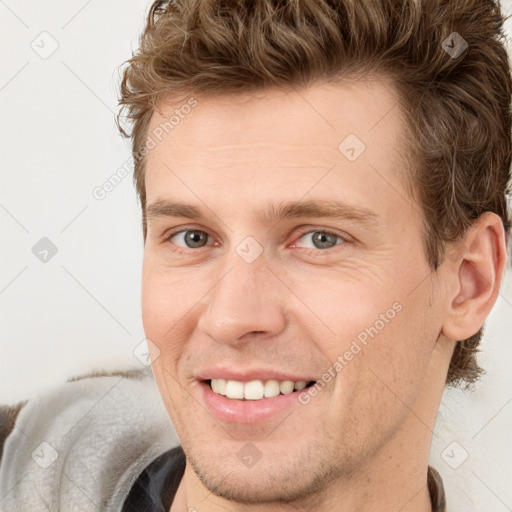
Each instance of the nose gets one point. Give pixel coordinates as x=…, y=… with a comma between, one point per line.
x=246, y=302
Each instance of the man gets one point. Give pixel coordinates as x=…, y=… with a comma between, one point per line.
x=323, y=188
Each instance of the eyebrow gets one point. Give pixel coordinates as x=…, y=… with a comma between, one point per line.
x=274, y=212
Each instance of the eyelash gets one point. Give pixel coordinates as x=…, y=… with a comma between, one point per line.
x=180, y=250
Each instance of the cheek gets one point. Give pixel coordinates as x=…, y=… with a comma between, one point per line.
x=389, y=370
x=167, y=299
x=336, y=308
x=384, y=322
x=164, y=320
x=172, y=301
x=379, y=382
x=163, y=315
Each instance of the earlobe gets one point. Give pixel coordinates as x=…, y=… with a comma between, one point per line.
x=478, y=268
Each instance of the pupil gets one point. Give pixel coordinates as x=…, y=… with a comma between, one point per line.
x=321, y=240
x=194, y=238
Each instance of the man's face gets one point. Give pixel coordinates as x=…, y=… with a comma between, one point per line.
x=237, y=290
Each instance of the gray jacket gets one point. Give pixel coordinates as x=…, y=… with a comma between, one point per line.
x=81, y=445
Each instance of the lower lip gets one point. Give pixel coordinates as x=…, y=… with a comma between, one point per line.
x=247, y=411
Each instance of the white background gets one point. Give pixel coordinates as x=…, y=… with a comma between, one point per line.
x=80, y=311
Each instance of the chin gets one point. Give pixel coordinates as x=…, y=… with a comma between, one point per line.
x=292, y=479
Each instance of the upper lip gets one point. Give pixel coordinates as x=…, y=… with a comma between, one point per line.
x=248, y=374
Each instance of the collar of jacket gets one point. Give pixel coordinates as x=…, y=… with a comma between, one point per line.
x=436, y=490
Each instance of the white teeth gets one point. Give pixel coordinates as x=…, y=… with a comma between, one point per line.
x=301, y=384
x=234, y=389
x=219, y=386
x=271, y=388
x=255, y=389
x=286, y=387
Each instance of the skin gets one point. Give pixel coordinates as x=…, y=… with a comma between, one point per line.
x=362, y=443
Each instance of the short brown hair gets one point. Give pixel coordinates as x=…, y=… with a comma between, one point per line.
x=457, y=107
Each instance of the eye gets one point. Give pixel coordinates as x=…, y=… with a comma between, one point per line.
x=189, y=239
x=321, y=239
x=315, y=239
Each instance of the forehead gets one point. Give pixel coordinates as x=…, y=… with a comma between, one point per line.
x=277, y=140
x=322, y=110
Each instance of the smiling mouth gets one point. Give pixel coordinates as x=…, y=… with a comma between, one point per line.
x=255, y=389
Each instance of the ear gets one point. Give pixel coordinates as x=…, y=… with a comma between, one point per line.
x=477, y=265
